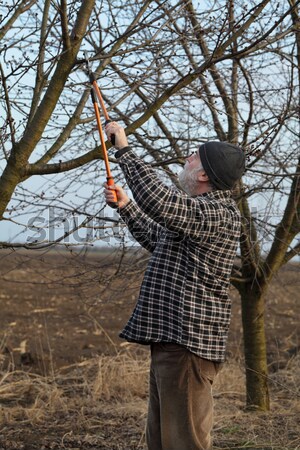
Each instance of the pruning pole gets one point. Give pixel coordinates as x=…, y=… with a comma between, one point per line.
x=95, y=93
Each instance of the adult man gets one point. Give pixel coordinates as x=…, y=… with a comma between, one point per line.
x=183, y=310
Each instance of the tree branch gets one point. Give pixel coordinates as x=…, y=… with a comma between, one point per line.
x=24, y=6
x=291, y=254
x=40, y=76
x=287, y=229
x=9, y=118
x=64, y=25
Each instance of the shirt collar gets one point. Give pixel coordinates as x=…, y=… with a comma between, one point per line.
x=216, y=194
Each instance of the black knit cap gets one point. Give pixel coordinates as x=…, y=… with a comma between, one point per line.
x=224, y=163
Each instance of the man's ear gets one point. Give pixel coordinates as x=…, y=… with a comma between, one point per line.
x=202, y=176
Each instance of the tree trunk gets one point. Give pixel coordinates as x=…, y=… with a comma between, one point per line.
x=8, y=182
x=253, y=306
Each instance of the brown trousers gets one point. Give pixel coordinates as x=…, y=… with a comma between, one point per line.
x=180, y=413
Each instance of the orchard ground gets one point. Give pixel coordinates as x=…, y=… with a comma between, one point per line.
x=69, y=382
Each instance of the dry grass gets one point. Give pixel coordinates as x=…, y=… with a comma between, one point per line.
x=101, y=403
x=237, y=428
x=81, y=404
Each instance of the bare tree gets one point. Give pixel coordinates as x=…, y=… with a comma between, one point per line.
x=176, y=75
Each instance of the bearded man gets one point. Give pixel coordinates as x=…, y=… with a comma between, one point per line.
x=183, y=309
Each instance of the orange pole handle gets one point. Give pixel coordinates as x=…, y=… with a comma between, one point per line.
x=109, y=178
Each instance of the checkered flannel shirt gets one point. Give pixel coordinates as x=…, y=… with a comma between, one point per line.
x=193, y=242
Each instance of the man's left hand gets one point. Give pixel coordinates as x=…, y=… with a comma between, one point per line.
x=119, y=132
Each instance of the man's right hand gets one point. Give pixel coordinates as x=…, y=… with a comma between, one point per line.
x=123, y=198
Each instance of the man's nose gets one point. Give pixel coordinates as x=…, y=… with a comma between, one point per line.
x=191, y=156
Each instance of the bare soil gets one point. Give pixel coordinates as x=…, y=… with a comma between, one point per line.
x=61, y=359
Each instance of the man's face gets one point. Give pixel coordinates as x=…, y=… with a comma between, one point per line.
x=188, y=177
x=193, y=161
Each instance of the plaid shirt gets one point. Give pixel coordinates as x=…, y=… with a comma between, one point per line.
x=193, y=241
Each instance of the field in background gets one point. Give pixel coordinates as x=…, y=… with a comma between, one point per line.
x=68, y=381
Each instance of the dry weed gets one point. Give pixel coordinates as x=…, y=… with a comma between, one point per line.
x=121, y=378
x=101, y=403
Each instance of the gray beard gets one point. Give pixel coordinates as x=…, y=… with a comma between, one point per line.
x=188, y=181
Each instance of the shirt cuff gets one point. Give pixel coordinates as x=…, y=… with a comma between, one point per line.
x=128, y=210
x=122, y=151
